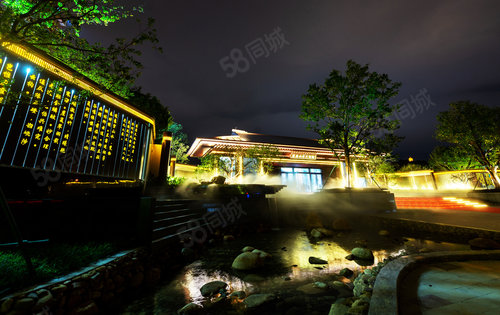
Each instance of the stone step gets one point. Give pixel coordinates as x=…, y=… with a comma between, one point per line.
x=158, y=215
x=168, y=221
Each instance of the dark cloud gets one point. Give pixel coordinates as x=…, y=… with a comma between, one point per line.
x=451, y=48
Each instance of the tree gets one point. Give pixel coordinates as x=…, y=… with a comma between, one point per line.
x=256, y=159
x=261, y=156
x=152, y=106
x=179, y=144
x=54, y=27
x=351, y=112
x=475, y=130
x=451, y=158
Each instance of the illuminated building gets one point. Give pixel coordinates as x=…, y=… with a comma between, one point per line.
x=54, y=119
x=301, y=163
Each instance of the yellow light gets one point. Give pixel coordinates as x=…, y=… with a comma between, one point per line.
x=410, y=159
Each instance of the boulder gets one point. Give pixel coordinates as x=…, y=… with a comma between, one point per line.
x=317, y=261
x=246, y=261
x=362, y=253
x=311, y=289
x=256, y=300
x=212, y=288
x=325, y=232
x=191, y=308
x=320, y=285
x=346, y=272
x=247, y=249
x=262, y=254
x=338, y=309
x=6, y=304
x=315, y=233
x=484, y=243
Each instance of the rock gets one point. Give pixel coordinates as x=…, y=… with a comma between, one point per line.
x=320, y=285
x=325, y=232
x=218, y=180
x=212, y=288
x=190, y=308
x=338, y=309
x=311, y=289
x=89, y=309
x=32, y=295
x=44, y=300
x=346, y=272
x=228, y=238
x=317, y=261
x=246, y=261
x=247, y=249
x=362, y=253
x=484, y=243
x=262, y=254
x=238, y=294
x=383, y=233
x=256, y=300
x=287, y=278
x=24, y=304
x=315, y=233
x=350, y=257
x=341, y=225
x=6, y=305
x=253, y=278
x=360, y=308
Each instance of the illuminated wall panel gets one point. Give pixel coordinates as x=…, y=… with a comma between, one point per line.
x=48, y=123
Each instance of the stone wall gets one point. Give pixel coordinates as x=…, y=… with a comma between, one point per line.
x=95, y=289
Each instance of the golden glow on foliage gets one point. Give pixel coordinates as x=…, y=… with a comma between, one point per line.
x=70, y=77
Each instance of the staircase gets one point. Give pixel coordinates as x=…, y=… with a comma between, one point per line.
x=451, y=203
x=170, y=219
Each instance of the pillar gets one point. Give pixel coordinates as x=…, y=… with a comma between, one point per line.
x=165, y=156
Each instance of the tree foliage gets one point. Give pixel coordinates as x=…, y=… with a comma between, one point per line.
x=179, y=144
x=254, y=160
x=54, y=27
x=152, y=106
x=351, y=112
x=474, y=130
x=451, y=158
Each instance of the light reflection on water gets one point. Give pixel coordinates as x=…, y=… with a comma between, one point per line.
x=195, y=277
x=186, y=286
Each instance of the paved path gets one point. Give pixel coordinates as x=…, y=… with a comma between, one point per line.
x=471, y=219
x=469, y=287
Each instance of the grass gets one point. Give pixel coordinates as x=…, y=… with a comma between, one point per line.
x=49, y=260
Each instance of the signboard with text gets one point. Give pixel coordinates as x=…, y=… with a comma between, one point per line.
x=47, y=123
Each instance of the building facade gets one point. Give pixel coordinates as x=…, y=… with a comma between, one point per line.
x=300, y=163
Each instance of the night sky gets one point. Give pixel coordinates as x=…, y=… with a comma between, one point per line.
x=445, y=50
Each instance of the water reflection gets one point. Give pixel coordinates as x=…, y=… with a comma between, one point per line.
x=288, y=269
